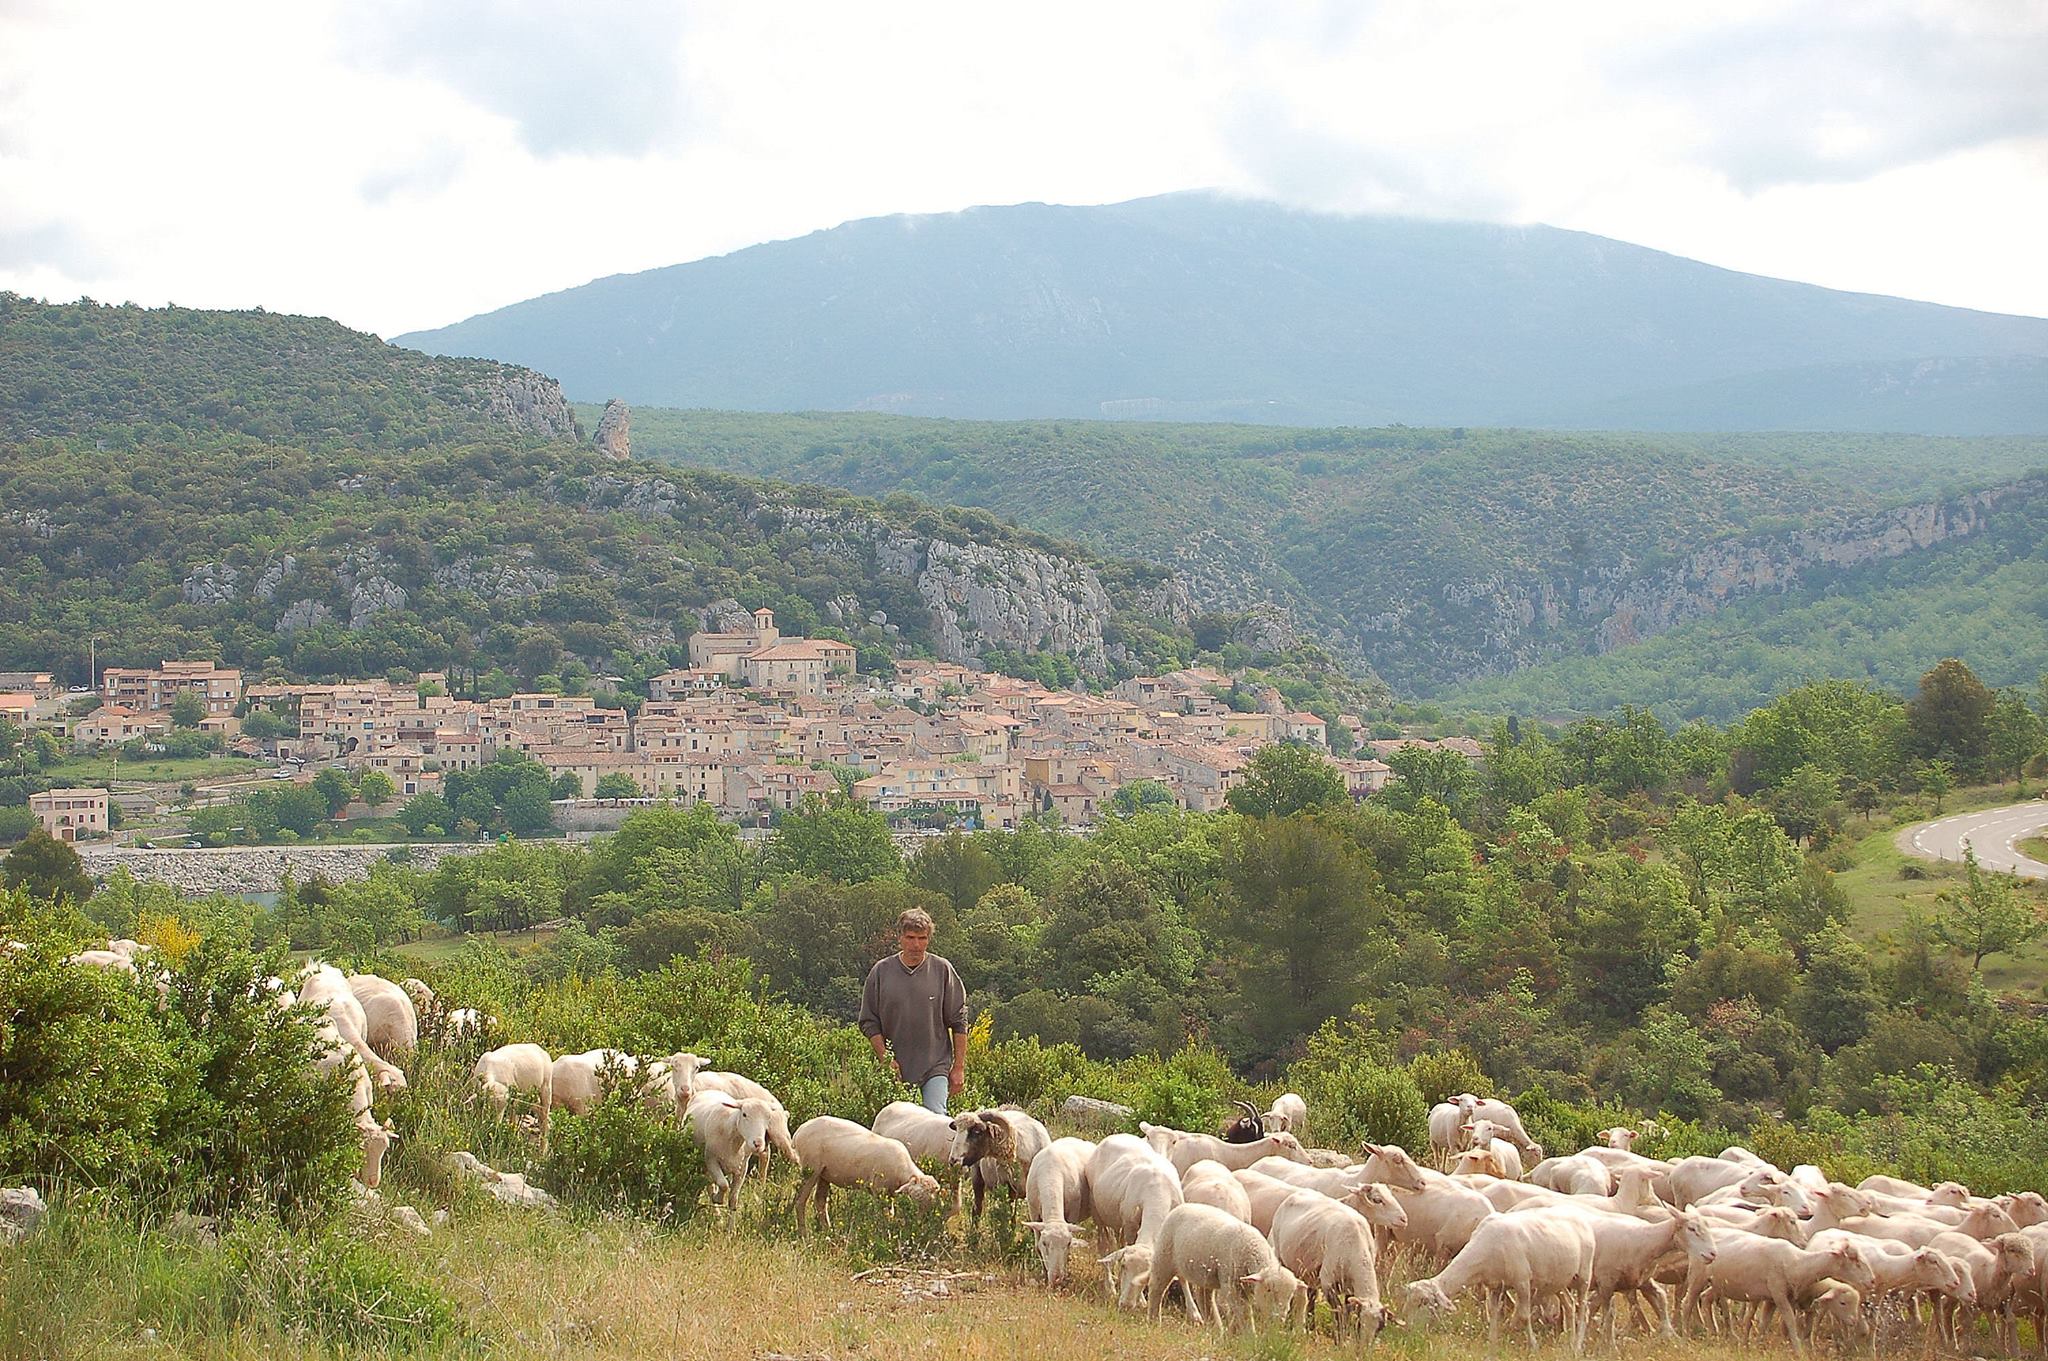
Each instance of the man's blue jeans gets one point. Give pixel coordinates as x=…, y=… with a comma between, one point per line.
x=935, y=1093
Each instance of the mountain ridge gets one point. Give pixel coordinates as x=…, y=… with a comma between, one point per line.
x=1195, y=306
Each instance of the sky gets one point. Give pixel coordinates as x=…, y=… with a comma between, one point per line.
x=405, y=165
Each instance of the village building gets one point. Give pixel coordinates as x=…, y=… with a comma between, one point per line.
x=153, y=690
x=68, y=814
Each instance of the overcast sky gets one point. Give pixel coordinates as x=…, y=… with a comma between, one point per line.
x=401, y=165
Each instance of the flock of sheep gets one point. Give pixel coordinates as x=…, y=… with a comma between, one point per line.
x=1251, y=1223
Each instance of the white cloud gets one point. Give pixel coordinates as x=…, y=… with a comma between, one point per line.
x=401, y=165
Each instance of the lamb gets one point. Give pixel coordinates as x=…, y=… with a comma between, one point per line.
x=1329, y=1245
x=517, y=1068
x=835, y=1152
x=1131, y=1190
x=327, y=987
x=734, y=1084
x=1839, y=1307
x=1496, y=1160
x=1996, y=1267
x=581, y=1079
x=1902, y=1267
x=1529, y=1257
x=999, y=1146
x=1188, y=1149
x=1223, y=1264
x=1288, y=1115
x=1209, y=1182
x=1751, y=1270
x=390, y=1024
x=732, y=1132
x=1618, y=1136
x=1491, y=1137
x=1055, y=1196
x=1573, y=1175
x=1506, y=1122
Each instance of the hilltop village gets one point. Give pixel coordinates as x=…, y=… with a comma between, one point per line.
x=756, y=723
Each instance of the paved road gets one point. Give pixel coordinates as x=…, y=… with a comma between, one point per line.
x=1992, y=832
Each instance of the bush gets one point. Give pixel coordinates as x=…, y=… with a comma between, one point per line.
x=622, y=1157
x=1185, y=1091
x=1038, y=1076
x=330, y=1288
x=1355, y=1094
x=1441, y=1074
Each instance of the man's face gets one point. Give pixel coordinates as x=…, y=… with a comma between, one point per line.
x=914, y=944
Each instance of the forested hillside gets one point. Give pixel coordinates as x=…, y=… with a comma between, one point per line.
x=283, y=493
x=1434, y=556
x=1203, y=307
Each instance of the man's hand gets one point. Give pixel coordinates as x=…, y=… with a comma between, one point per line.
x=956, y=1081
x=896, y=1067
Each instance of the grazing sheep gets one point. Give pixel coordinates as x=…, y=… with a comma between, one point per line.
x=517, y=1068
x=999, y=1144
x=104, y=959
x=1190, y=1149
x=1132, y=1189
x=1838, y=1307
x=835, y=1152
x=1224, y=1265
x=732, y=1132
x=1288, y=1114
x=423, y=997
x=327, y=987
x=580, y=1078
x=1626, y=1255
x=1750, y=1270
x=1056, y=1196
x=390, y=1023
x=334, y=1053
x=1209, y=1182
x=466, y=1024
x=1531, y=1258
x=1329, y=1245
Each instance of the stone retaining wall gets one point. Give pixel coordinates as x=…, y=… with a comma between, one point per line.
x=253, y=869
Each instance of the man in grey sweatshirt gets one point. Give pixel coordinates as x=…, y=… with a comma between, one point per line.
x=914, y=1004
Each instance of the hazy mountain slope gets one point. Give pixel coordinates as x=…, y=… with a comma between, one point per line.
x=283, y=493
x=1193, y=306
x=1435, y=556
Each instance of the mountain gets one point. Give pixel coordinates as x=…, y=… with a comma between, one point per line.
x=1435, y=557
x=1200, y=307
x=285, y=494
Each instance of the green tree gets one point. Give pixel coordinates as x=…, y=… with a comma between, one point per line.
x=1141, y=796
x=375, y=788
x=45, y=867
x=1801, y=801
x=1836, y=1000
x=1987, y=916
x=266, y=726
x=2016, y=735
x=527, y=805
x=10, y=739
x=957, y=867
x=1950, y=717
x=336, y=791
x=1300, y=913
x=422, y=811
x=1286, y=778
x=834, y=838
x=567, y=785
x=1435, y=774
x=188, y=710
x=1937, y=778
x=617, y=785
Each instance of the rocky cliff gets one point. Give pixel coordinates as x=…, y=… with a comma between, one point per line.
x=614, y=436
x=1515, y=622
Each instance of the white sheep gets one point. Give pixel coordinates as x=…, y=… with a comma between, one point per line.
x=1979, y=1222
x=1903, y=1267
x=1442, y=1218
x=517, y=1068
x=1531, y=1258
x=1618, y=1136
x=1340, y=1181
x=1056, y=1198
x=1498, y=1159
x=1627, y=1252
x=1225, y=1267
x=466, y=1024
x=1446, y=1132
x=580, y=1078
x=1507, y=1122
x=423, y=997
x=390, y=1023
x=332, y=1053
x=735, y=1084
x=104, y=959
x=1692, y=1178
x=1209, y=1182
x=1131, y=1189
x=1575, y=1174
x=1287, y=1115
x=1329, y=1245
x=326, y=987
x=835, y=1152
x=1185, y=1149
x=732, y=1132
x=1998, y=1267
x=1750, y=1270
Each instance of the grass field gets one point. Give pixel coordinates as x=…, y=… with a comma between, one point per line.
x=447, y=947
x=94, y=770
x=1884, y=885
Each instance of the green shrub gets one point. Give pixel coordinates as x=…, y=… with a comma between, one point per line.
x=1184, y=1091
x=1038, y=1076
x=1440, y=1074
x=622, y=1157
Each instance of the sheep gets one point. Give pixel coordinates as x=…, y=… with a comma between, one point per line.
x=1264, y=1195
x=1809, y=1177
x=835, y=1152
x=1626, y=1254
x=1496, y=1160
x=1055, y=1197
x=423, y=997
x=1507, y=1123
x=104, y=959
x=1131, y=1189
x=334, y=1053
x=1209, y=1182
x=1190, y=1149
x=327, y=987
x=1618, y=1160
x=1484, y=1134
x=1839, y=1307
x=732, y=1132
x=1692, y=1178
x=1248, y=1127
x=735, y=1084
x=1338, y=1181
x=1751, y=1270
x=1442, y=1218
x=1996, y=1267
x=1631, y=1197
x=1223, y=1264
x=1390, y=1165
x=1894, y=1186
x=1329, y=1157
x=998, y=1145
x=1765, y=1186
x=1979, y=1222
x=1288, y=1114
x=1902, y=1267
x=1446, y=1132
x=1736, y=1153
x=1530, y=1257
x=1574, y=1174
x=1329, y=1245
x=1772, y=1221
x=467, y=1023
x=517, y=1068
x=581, y=1079
x=1618, y=1136
x=390, y=1024
x=2027, y=1208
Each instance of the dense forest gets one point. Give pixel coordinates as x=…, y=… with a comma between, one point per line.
x=1427, y=555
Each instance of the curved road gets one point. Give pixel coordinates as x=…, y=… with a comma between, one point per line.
x=1993, y=832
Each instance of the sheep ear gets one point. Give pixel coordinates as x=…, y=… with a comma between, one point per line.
x=1112, y=1259
x=1035, y=1225
x=1253, y=1279
x=1373, y=1149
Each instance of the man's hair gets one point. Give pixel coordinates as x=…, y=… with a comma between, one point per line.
x=916, y=921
